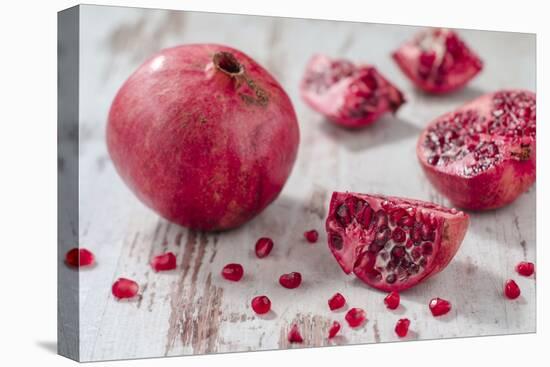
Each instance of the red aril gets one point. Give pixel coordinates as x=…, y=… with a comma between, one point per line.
x=525, y=268
x=233, y=272
x=356, y=317
x=291, y=280
x=439, y=306
x=438, y=61
x=294, y=335
x=392, y=300
x=402, y=327
x=261, y=304
x=336, y=302
x=79, y=257
x=203, y=135
x=347, y=94
x=263, y=247
x=311, y=236
x=361, y=235
x=511, y=289
x=164, y=262
x=334, y=329
x=124, y=288
x=483, y=155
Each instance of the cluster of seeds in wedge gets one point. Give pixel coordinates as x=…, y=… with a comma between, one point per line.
x=442, y=53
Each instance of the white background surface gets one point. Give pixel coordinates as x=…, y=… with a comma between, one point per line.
x=28, y=158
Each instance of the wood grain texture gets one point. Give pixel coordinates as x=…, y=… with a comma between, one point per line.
x=192, y=309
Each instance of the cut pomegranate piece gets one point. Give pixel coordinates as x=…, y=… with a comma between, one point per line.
x=356, y=317
x=124, y=288
x=261, y=304
x=294, y=335
x=79, y=257
x=483, y=155
x=164, y=262
x=334, y=329
x=402, y=327
x=291, y=280
x=438, y=61
x=392, y=300
x=511, y=289
x=263, y=247
x=233, y=272
x=348, y=95
x=525, y=268
x=337, y=301
x=311, y=236
x=439, y=306
x=359, y=231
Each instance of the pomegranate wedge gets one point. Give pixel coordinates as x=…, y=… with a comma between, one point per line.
x=349, y=95
x=438, y=61
x=392, y=243
x=483, y=155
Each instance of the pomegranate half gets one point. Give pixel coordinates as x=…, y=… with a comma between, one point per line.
x=392, y=243
x=483, y=155
x=438, y=61
x=348, y=95
x=203, y=135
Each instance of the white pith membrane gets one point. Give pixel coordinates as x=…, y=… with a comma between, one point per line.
x=342, y=87
x=483, y=134
x=376, y=250
x=433, y=42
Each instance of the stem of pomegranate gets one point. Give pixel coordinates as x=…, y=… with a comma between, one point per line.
x=227, y=63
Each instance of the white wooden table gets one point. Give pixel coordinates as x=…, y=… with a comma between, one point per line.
x=192, y=309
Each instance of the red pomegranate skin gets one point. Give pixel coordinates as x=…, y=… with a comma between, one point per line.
x=504, y=179
x=203, y=135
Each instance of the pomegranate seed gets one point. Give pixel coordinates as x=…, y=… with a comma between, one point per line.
x=79, y=257
x=164, y=262
x=392, y=300
x=263, y=247
x=291, y=280
x=124, y=288
x=402, y=327
x=399, y=235
x=334, y=329
x=261, y=304
x=311, y=236
x=439, y=306
x=525, y=268
x=337, y=301
x=233, y=272
x=294, y=335
x=511, y=289
x=355, y=317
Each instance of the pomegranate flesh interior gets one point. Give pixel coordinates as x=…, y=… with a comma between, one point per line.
x=392, y=243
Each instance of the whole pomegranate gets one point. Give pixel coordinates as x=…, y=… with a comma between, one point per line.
x=438, y=61
x=483, y=155
x=203, y=135
x=392, y=243
x=348, y=95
